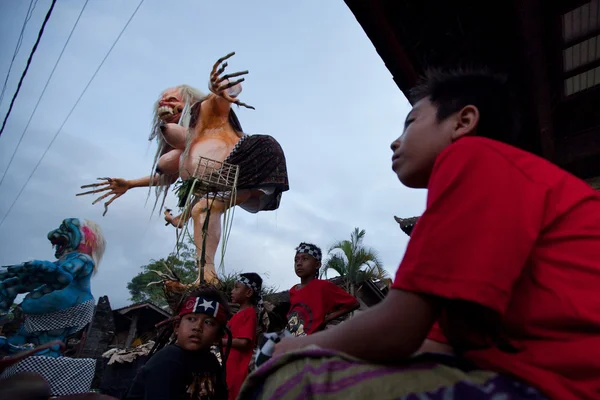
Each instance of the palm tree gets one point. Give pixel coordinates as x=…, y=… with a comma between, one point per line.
x=354, y=262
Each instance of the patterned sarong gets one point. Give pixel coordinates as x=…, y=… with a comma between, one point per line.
x=65, y=375
x=314, y=373
x=76, y=318
x=262, y=166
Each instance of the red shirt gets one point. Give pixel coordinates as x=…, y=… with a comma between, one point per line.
x=312, y=303
x=513, y=233
x=242, y=326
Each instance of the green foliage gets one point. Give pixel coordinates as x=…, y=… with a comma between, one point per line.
x=353, y=261
x=183, y=265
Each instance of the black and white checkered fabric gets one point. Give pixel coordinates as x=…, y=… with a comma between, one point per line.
x=260, y=305
x=309, y=249
x=76, y=317
x=65, y=375
x=266, y=351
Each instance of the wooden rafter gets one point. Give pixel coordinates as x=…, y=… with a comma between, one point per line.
x=530, y=18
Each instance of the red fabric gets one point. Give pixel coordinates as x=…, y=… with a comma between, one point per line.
x=242, y=326
x=312, y=303
x=511, y=232
x=437, y=334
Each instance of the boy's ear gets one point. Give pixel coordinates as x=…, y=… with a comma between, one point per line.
x=467, y=119
x=176, y=325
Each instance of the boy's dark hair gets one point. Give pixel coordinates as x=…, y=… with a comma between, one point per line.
x=210, y=293
x=452, y=89
x=254, y=277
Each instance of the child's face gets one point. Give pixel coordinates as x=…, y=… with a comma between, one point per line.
x=423, y=139
x=240, y=293
x=305, y=265
x=196, y=331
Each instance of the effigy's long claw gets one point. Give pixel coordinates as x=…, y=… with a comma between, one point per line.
x=231, y=84
x=225, y=57
x=215, y=81
x=92, y=191
x=232, y=75
x=239, y=103
x=220, y=60
x=99, y=199
x=91, y=185
x=219, y=71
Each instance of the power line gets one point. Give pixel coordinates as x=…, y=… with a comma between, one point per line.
x=18, y=46
x=70, y=112
x=40, y=33
x=42, y=94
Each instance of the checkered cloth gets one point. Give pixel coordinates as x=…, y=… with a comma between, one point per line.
x=309, y=249
x=76, y=317
x=65, y=375
x=266, y=351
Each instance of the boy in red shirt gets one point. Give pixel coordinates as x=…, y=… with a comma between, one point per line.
x=246, y=293
x=314, y=302
x=506, y=257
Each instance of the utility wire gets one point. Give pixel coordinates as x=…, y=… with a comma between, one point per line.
x=70, y=112
x=42, y=94
x=18, y=46
x=41, y=32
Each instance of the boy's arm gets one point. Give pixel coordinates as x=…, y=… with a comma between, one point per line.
x=339, y=303
x=239, y=343
x=400, y=323
x=341, y=312
x=243, y=331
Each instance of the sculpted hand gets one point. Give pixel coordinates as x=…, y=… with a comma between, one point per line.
x=115, y=187
x=175, y=221
x=221, y=86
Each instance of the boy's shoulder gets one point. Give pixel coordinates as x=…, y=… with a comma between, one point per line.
x=168, y=353
x=488, y=155
x=477, y=146
x=175, y=354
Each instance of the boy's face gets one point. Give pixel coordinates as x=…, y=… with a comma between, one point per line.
x=197, y=331
x=305, y=265
x=240, y=293
x=423, y=139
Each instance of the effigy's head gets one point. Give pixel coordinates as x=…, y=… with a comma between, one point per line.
x=81, y=236
x=170, y=106
x=173, y=101
x=173, y=104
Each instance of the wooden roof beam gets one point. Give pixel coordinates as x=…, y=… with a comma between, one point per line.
x=583, y=145
x=535, y=66
x=372, y=16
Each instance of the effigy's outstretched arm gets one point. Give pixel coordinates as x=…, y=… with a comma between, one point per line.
x=117, y=187
x=38, y=277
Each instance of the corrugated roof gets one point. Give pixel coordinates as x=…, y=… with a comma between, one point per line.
x=581, y=28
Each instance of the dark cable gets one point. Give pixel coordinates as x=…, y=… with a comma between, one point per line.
x=42, y=94
x=40, y=33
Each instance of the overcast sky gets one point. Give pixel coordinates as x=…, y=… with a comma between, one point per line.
x=318, y=85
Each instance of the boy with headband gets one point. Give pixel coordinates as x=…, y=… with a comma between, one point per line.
x=187, y=369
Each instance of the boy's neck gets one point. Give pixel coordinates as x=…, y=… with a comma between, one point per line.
x=306, y=281
x=245, y=305
x=199, y=351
